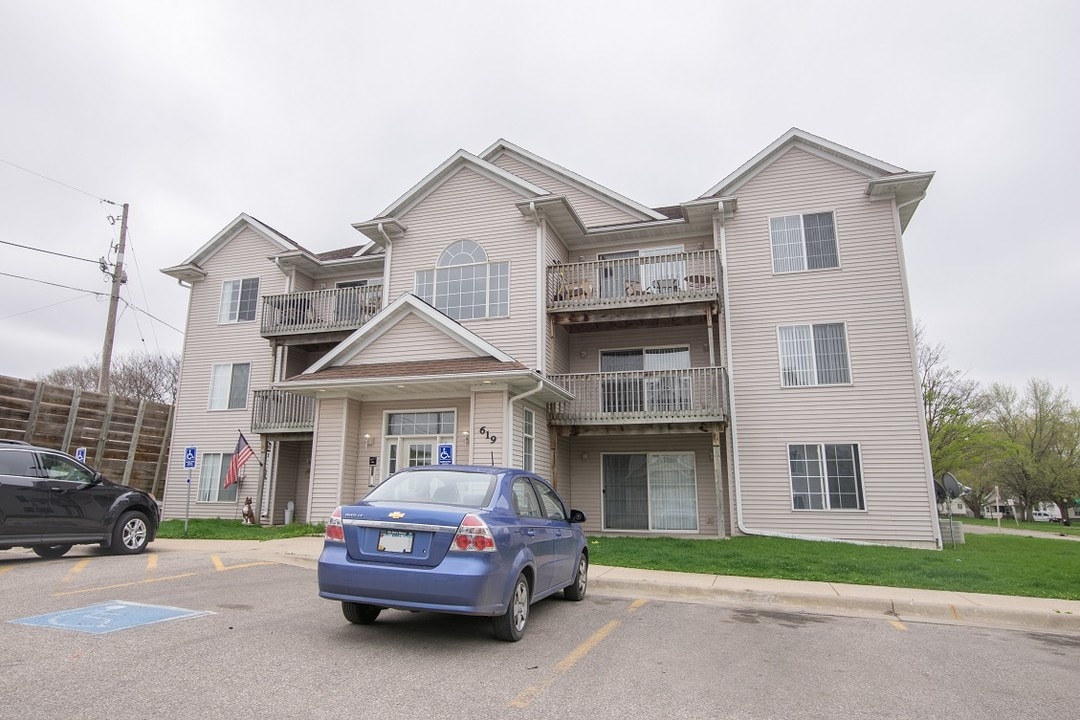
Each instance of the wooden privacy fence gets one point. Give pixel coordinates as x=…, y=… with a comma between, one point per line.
x=126, y=439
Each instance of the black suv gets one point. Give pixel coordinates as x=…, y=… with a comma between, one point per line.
x=50, y=501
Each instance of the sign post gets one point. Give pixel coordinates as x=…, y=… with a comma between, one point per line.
x=191, y=453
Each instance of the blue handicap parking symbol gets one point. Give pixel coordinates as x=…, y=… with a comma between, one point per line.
x=109, y=617
x=189, y=456
x=446, y=454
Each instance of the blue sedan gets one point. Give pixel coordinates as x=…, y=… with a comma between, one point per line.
x=454, y=539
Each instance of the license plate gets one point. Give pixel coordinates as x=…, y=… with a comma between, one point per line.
x=395, y=541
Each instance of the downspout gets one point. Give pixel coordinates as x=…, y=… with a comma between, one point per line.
x=386, y=266
x=740, y=523
x=541, y=291
x=510, y=419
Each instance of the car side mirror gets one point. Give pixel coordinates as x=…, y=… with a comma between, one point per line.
x=576, y=516
x=98, y=477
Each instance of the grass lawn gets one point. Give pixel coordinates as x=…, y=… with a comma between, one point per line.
x=997, y=564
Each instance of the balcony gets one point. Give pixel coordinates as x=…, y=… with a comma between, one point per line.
x=278, y=411
x=325, y=314
x=642, y=397
x=633, y=287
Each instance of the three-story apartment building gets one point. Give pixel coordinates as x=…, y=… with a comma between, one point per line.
x=741, y=363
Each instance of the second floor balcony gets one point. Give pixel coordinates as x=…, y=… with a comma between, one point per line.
x=279, y=411
x=336, y=311
x=628, y=287
x=642, y=397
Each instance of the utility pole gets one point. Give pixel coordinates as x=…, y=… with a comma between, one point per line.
x=118, y=279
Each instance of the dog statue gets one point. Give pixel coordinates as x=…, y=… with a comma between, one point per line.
x=248, y=512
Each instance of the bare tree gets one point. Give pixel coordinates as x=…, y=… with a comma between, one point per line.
x=140, y=375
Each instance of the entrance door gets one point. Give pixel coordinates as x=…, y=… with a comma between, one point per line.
x=419, y=452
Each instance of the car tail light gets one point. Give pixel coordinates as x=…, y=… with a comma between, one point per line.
x=473, y=535
x=334, y=530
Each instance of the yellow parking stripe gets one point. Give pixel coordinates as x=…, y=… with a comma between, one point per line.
x=529, y=695
x=5, y=569
x=221, y=567
x=151, y=563
x=898, y=625
x=76, y=569
x=121, y=585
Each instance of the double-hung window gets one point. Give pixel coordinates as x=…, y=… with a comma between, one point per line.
x=813, y=355
x=528, y=440
x=825, y=477
x=803, y=242
x=215, y=468
x=229, y=386
x=464, y=285
x=238, y=300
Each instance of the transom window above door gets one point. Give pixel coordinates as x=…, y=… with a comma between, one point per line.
x=464, y=284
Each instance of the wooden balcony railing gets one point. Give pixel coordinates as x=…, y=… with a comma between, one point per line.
x=276, y=411
x=642, y=396
x=316, y=311
x=634, y=281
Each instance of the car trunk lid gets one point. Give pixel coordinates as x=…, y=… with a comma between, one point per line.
x=400, y=533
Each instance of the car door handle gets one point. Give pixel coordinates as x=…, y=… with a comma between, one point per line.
x=530, y=532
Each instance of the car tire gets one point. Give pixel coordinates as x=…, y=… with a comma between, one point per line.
x=130, y=534
x=51, y=551
x=510, y=626
x=360, y=613
x=576, y=590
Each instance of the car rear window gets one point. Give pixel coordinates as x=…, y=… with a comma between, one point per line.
x=17, y=462
x=446, y=487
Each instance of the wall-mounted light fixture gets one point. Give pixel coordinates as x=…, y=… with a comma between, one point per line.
x=584, y=456
x=465, y=437
x=367, y=439
x=582, y=354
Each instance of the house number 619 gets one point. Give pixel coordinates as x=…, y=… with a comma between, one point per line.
x=488, y=435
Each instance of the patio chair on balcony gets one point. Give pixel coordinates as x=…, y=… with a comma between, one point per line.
x=665, y=285
x=633, y=287
x=700, y=283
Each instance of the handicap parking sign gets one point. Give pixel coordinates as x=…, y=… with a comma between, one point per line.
x=446, y=454
x=80, y=454
x=189, y=456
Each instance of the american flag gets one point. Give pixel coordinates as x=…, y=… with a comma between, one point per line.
x=241, y=455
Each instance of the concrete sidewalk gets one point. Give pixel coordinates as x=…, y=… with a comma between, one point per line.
x=823, y=598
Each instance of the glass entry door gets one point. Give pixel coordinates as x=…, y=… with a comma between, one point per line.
x=419, y=452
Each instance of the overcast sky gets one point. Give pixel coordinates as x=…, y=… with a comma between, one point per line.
x=314, y=115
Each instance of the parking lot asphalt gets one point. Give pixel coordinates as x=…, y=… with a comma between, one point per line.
x=1001, y=611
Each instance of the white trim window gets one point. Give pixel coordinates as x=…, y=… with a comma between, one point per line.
x=813, y=355
x=239, y=299
x=825, y=477
x=229, y=386
x=412, y=437
x=803, y=242
x=528, y=440
x=464, y=285
x=212, y=474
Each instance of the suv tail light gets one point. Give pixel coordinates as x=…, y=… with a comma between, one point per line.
x=334, y=530
x=473, y=535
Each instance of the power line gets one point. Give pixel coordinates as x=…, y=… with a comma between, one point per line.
x=140, y=310
x=48, y=252
x=43, y=307
x=46, y=282
x=63, y=184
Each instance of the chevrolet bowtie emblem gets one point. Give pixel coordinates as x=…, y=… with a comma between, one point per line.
x=397, y=514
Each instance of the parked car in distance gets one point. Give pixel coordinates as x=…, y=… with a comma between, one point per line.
x=457, y=539
x=49, y=501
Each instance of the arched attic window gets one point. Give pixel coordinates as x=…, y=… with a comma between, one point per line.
x=464, y=285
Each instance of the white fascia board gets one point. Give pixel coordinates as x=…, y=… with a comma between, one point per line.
x=229, y=231
x=584, y=184
x=390, y=316
x=824, y=148
x=440, y=174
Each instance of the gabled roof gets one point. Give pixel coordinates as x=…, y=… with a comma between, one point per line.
x=192, y=268
x=447, y=170
x=864, y=164
x=406, y=304
x=582, y=183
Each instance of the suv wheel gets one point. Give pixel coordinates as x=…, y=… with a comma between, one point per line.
x=130, y=534
x=51, y=551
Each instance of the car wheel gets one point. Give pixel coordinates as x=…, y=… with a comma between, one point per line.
x=576, y=589
x=51, y=551
x=360, y=613
x=510, y=626
x=130, y=534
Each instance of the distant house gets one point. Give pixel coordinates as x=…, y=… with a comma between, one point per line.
x=740, y=363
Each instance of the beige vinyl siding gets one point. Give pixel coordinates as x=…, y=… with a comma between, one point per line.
x=693, y=336
x=353, y=474
x=412, y=339
x=878, y=410
x=592, y=210
x=207, y=343
x=556, y=338
x=490, y=413
x=331, y=420
x=586, y=467
x=541, y=439
x=470, y=206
